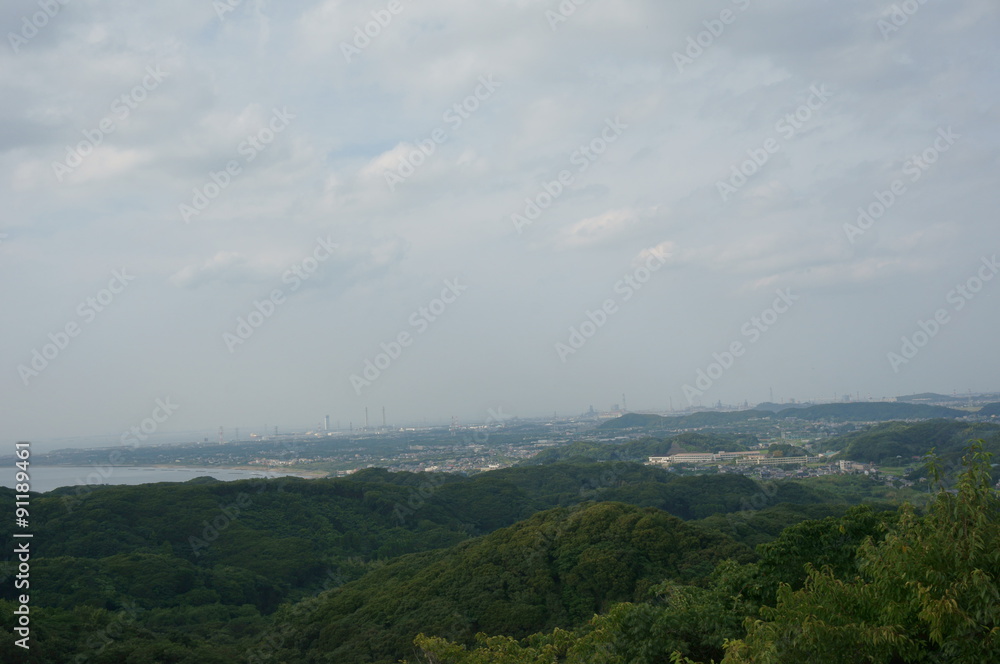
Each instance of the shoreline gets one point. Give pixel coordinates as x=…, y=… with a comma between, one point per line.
x=305, y=474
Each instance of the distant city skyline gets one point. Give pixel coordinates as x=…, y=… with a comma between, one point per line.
x=344, y=425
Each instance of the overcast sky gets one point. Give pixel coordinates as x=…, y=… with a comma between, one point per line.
x=168, y=169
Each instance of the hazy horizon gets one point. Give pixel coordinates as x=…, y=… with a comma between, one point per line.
x=210, y=435
x=246, y=213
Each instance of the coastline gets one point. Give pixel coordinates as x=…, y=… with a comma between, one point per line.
x=305, y=474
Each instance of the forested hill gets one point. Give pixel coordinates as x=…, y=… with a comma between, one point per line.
x=198, y=572
x=837, y=412
x=871, y=412
x=990, y=410
x=695, y=420
x=193, y=572
x=882, y=443
x=556, y=569
x=824, y=592
x=640, y=450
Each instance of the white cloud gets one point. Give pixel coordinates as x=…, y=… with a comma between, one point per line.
x=225, y=266
x=598, y=230
x=324, y=175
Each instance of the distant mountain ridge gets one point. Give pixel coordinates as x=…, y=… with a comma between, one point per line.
x=931, y=397
x=778, y=407
x=702, y=419
x=843, y=412
x=873, y=412
x=990, y=410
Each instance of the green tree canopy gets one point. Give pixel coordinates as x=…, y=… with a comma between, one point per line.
x=928, y=592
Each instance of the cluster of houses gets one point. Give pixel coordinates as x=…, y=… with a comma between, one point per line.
x=753, y=458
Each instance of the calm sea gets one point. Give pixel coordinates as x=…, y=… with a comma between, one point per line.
x=47, y=478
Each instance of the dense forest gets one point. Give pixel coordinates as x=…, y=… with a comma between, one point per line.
x=990, y=410
x=562, y=559
x=882, y=443
x=891, y=587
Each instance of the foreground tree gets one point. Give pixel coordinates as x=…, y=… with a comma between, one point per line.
x=928, y=592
